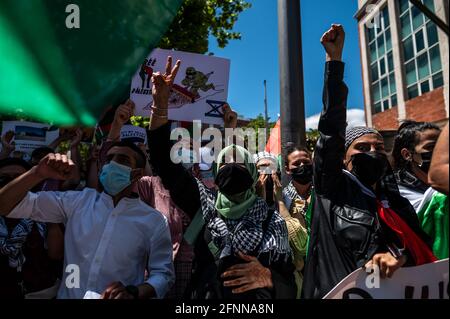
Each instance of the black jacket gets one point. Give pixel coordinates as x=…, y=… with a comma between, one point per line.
x=345, y=229
x=184, y=191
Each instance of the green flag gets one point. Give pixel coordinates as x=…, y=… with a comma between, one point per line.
x=65, y=61
x=433, y=216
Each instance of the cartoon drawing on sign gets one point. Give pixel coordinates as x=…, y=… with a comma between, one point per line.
x=196, y=80
x=146, y=72
x=193, y=82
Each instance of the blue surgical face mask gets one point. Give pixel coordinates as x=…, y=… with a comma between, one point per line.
x=115, y=178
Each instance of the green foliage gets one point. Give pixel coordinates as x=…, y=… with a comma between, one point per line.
x=140, y=121
x=84, y=148
x=198, y=19
x=260, y=122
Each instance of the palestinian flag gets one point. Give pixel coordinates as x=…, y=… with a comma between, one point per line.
x=433, y=216
x=273, y=145
x=65, y=61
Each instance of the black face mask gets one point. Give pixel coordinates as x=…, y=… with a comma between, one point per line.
x=303, y=174
x=233, y=179
x=426, y=161
x=369, y=167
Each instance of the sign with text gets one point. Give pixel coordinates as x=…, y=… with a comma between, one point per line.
x=429, y=281
x=30, y=135
x=200, y=88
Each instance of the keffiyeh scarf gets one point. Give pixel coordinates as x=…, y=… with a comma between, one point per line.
x=245, y=234
x=291, y=197
x=11, y=244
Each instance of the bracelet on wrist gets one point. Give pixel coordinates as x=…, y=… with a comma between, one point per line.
x=154, y=108
x=166, y=117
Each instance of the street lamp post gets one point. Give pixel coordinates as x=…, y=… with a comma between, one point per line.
x=292, y=107
x=266, y=116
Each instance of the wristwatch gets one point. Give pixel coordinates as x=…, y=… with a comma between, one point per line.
x=133, y=290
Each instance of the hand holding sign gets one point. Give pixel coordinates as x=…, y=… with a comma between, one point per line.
x=7, y=145
x=229, y=116
x=124, y=112
x=387, y=263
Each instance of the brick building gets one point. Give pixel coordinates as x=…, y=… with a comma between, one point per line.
x=405, y=63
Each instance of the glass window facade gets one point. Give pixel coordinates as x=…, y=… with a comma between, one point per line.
x=384, y=94
x=421, y=54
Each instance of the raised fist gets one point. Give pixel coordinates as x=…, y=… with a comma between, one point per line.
x=333, y=42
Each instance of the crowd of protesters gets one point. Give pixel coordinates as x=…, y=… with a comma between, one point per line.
x=131, y=223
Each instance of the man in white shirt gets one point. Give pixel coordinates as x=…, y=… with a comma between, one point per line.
x=111, y=237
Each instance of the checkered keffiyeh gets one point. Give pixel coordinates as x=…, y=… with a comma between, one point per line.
x=11, y=244
x=292, y=197
x=290, y=192
x=246, y=234
x=353, y=133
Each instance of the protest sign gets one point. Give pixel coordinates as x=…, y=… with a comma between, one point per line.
x=199, y=91
x=134, y=134
x=30, y=135
x=429, y=281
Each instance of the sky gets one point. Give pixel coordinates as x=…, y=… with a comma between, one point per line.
x=254, y=58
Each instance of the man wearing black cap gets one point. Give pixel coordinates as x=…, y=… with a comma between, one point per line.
x=359, y=219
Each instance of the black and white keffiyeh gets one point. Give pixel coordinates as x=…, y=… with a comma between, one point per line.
x=351, y=134
x=11, y=244
x=292, y=198
x=290, y=193
x=246, y=234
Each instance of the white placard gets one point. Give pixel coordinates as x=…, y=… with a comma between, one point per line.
x=200, y=88
x=30, y=135
x=429, y=281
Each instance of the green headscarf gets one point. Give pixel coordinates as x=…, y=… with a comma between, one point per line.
x=236, y=206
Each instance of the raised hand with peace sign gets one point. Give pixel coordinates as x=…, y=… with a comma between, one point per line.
x=162, y=84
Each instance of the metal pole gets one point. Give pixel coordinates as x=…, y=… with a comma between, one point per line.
x=266, y=116
x=292, y=107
